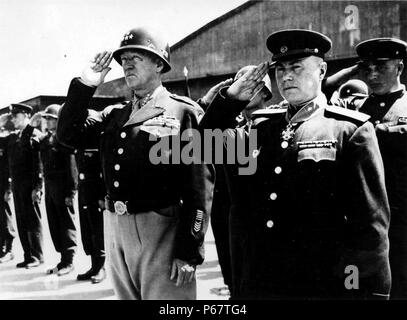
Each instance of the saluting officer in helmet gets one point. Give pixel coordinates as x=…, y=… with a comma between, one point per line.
x=60, y=181
x=317, y=202
x=156, y=214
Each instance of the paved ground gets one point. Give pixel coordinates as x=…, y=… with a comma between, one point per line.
x=34, y=284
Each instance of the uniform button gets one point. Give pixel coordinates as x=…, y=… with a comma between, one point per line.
x=81, y=176
x=120, y=151
x=273, y=196
x=382, y=104
x=116, y=184
x=284, y=144
x=270, y=224
x=123, y=135
x=377, y=122
x=101, y=175
x=117, y=167
x=278, y=170
x=255, y=153
x=85, y=207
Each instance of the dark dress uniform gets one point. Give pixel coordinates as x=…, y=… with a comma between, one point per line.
x=389, y=115
x=315, y=205
x=91, y=191
x=26, y=175
x=141, y=193
x=60, y=175
x=7, y=232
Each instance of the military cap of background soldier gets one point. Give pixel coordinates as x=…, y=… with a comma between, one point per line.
x=266, y=79
x=51, y=111
x=353, y=88
x=297, y=43
x=382, y=49
x=146, y=40
x=20, y=108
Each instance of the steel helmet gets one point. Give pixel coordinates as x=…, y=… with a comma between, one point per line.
x=52, y=111
x=145, y=39
x=353, y=87
x=266, y=79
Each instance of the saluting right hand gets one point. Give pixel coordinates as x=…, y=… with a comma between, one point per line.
x=248, y=85
x=94, y=74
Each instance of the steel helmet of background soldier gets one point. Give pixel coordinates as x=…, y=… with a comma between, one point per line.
x=352, y=94
x=146, y=40
x=50, y=115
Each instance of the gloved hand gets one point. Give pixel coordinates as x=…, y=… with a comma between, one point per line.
x=94, y=74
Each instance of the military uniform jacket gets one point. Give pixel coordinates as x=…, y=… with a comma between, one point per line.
x=316, y=203
x=389, y=114
x=129, y=174
x=24, y=157
x=58, y=164
x=4, y=172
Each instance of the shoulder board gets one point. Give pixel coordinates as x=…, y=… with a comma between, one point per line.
x=347, y=114
x=182, y=99
x=268, y=113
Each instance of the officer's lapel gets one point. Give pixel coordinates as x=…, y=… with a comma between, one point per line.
x=150, y=110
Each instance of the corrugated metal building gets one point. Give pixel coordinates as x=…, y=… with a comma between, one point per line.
x=217, y=50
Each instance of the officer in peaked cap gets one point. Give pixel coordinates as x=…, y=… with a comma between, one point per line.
x=155, y=227
x=20, y=108
x=381, y=67
x=316, y=202
x=297, y=43
x=22, y=148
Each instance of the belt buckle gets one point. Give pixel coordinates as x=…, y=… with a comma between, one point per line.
x=120, y=207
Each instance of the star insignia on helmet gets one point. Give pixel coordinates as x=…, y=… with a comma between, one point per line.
x=131, y=36
x=283, y=49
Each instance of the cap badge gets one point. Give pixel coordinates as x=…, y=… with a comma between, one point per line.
x=283, y=49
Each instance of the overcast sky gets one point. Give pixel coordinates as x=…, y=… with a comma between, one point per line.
x=45, y=43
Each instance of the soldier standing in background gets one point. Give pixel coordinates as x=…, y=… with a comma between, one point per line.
x=22, y=147
x=7, y=232
x=381, y=67
x=91, y=195
x=60, y=177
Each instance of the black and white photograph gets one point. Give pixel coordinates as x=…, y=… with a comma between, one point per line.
x=223, y=152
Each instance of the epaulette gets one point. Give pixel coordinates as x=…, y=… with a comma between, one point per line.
x=183, y=99
x=347, y=114
x=269, y=113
